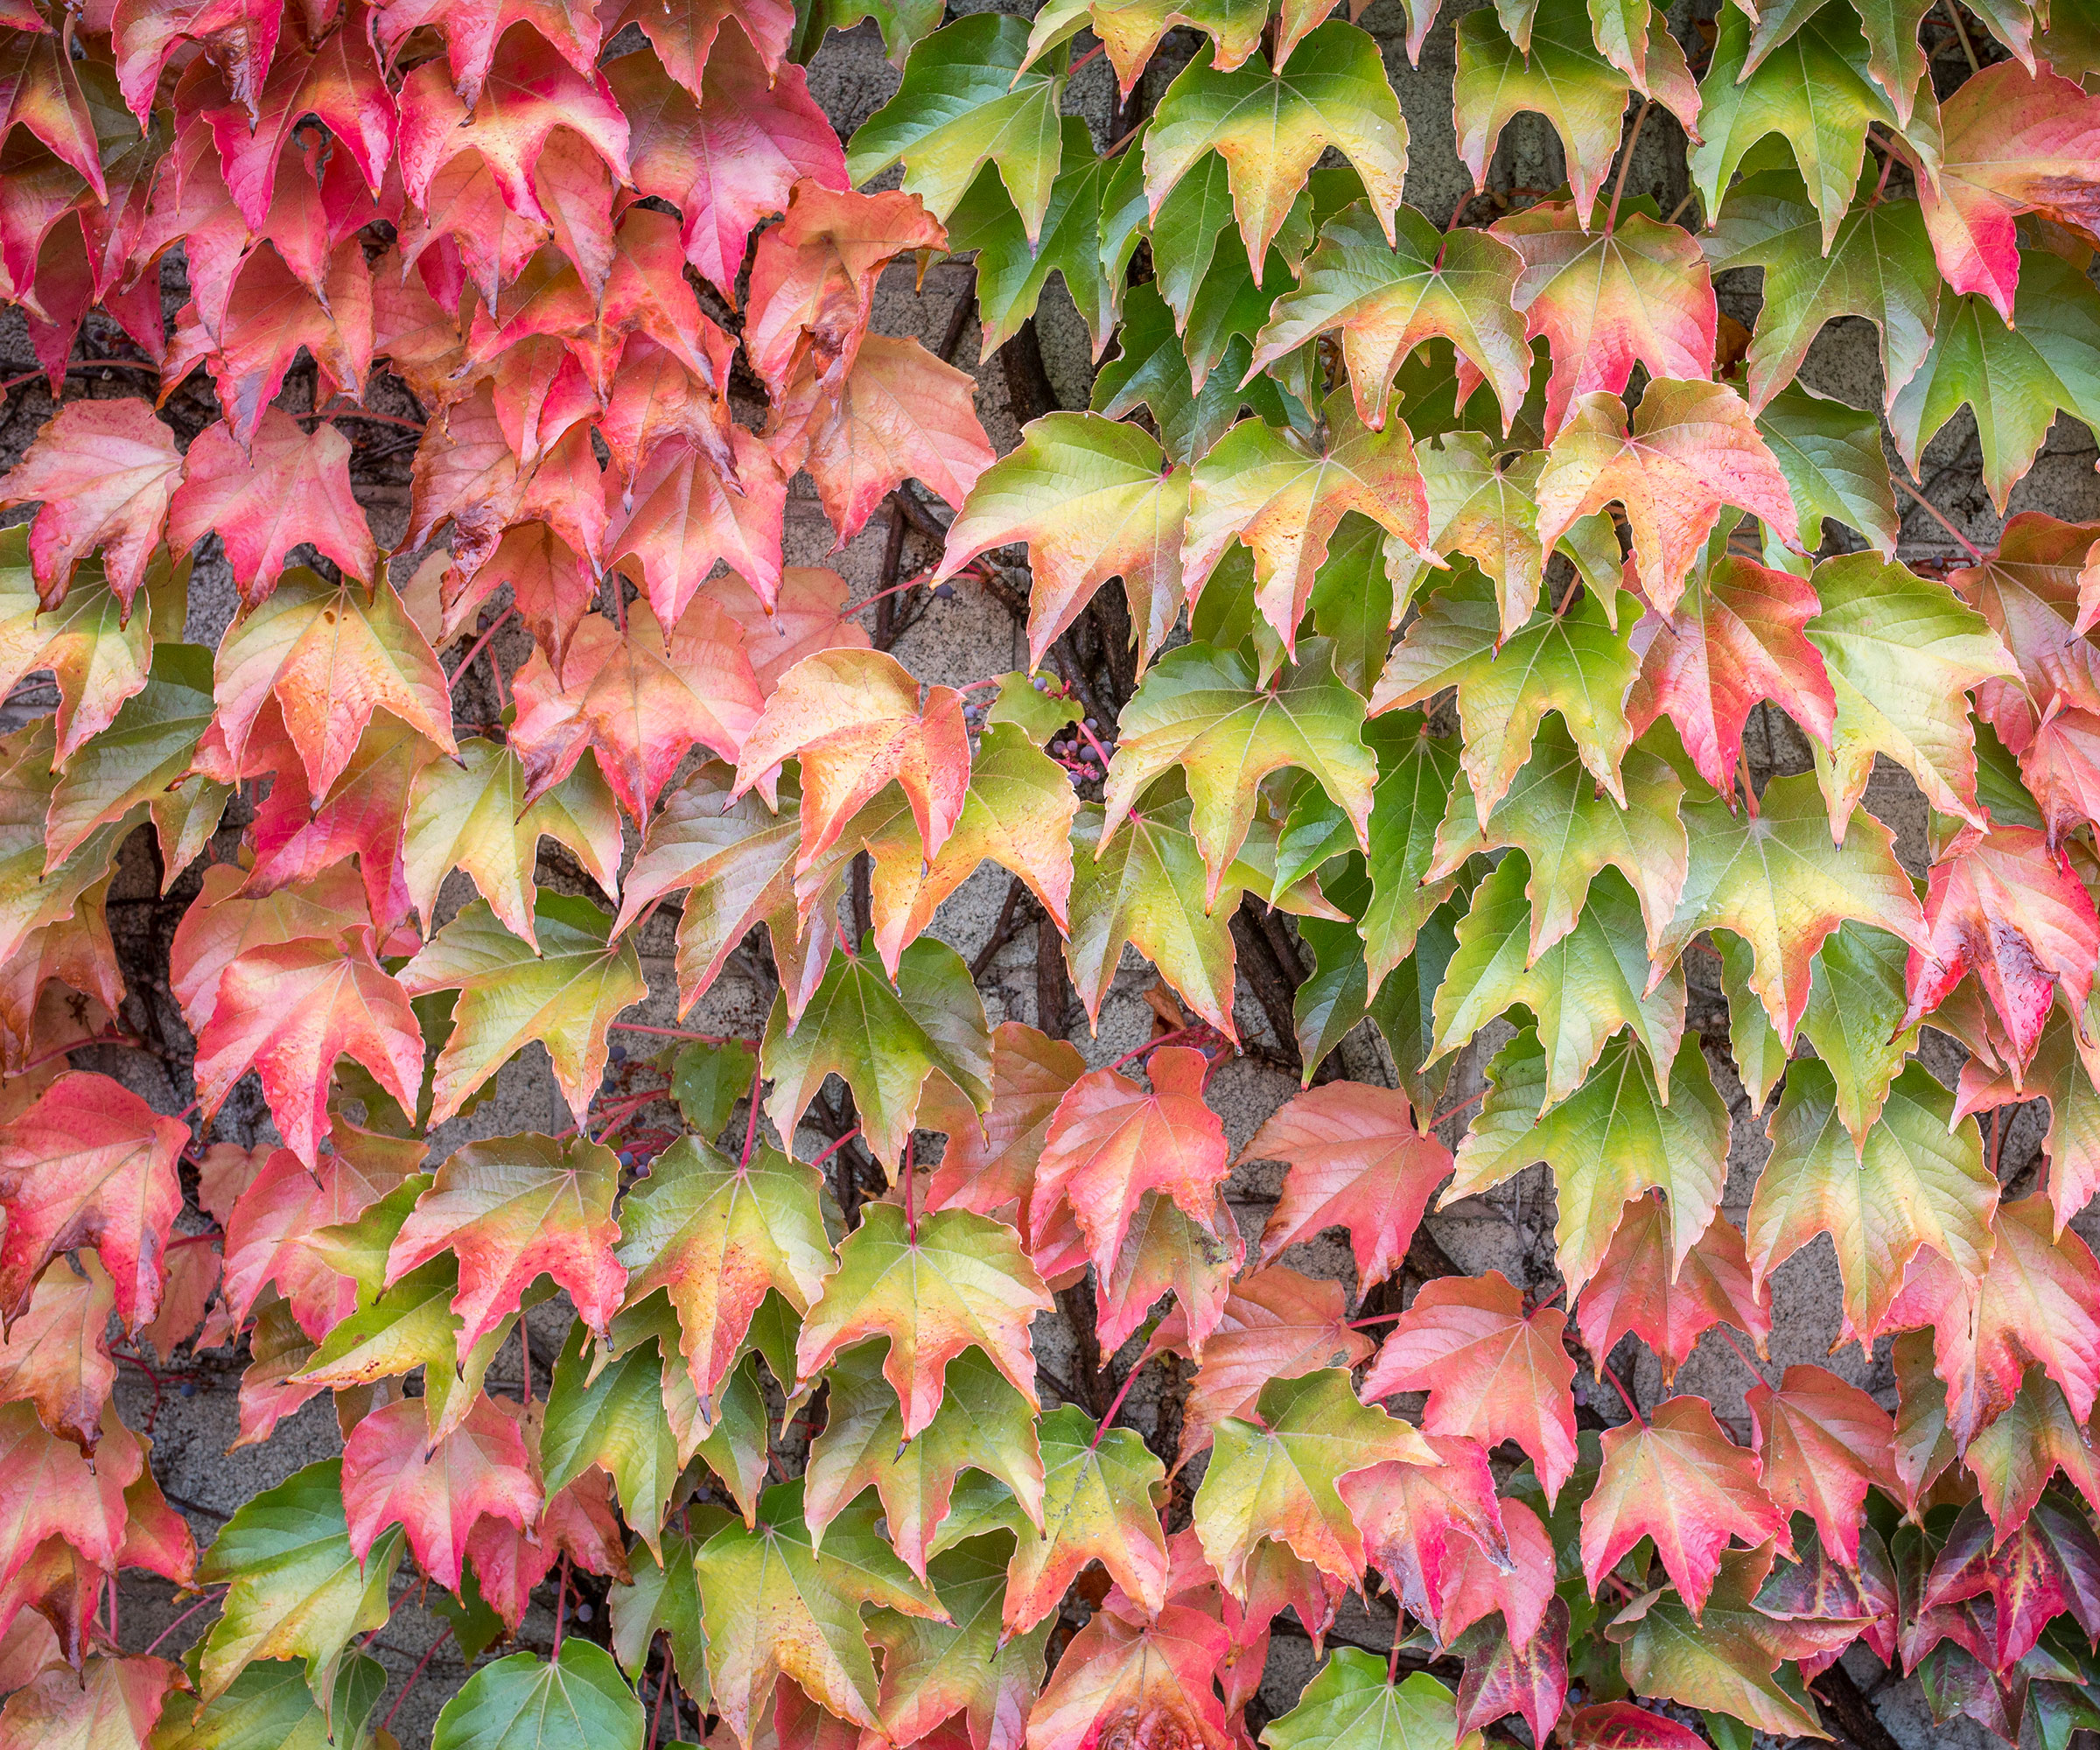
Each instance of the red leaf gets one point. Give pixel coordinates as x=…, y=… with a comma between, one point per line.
x=104, y=471
x=684, y=32
x=682, y=519
x=1620, y=1725
x=89, y=1164
x=1493, y=1371
x=990, y=1164
x=47, y=1489
x=508, y=1209
x=1421, y=1523
x=1822, y=1443
x=1110, y=1142
x=2002, y=905
x=1505, y=1676
x=1356, y=1161
x=238, y=37
x=114, y=1701
x=1679, y=1479
x=806, y=617
x=1633, y=1289
x=392, y=1474
x=1735, y=640
x=1130, y=1682
x=57, y=1354
x=854, y=719
x=731, y=159
x=290, y=487
x=288, y=1012
x=472, y=31
x=40, y=91
x=1479, y=1588
x=641, y=699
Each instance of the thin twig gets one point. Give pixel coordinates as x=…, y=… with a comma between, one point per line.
x=1962, y=30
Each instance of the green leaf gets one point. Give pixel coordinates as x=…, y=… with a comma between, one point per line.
x=773, y=1606
x=1131, y=30
x=1487, y=511
x=1611, y=1139
x=982, y=1425
x=1893, y=59
x=1879, y=265
x=1579, y=993
x=708, y=1080
x=1815, y=93
x=1775, y=879
x=1912, y=1180
x=30, y=898
x=1389, y=297
x=1151, y=370
x=1272, y=126
x=1830, y=454
x=1203, y=711
x=1569, y=833
x=2015, y=379
x=146, y=750
x=1275, y=1477
x=1416, y=772
x=1854, y=1020
x=966, y=102
x=904, y=23
x=1902, y=652
x=269, y=1707
x=1184, y=233
x=296, y=1590
x=565, y=996
x=882, y=1040
x=664, y=1598
x=1573, y=663
x=1350, y=1705
x=931, y=1670
x=577, y=1701
x=1012, y=269
x=1098, y=1506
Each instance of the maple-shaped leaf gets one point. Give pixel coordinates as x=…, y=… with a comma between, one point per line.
x=2015, y=141
x=394, y=1474
x=855, y=720
x=146, y=750
x=934, y=1287
x=2014, y=1459
x=268, y=1228
x=1415, y=772
x=474, y=816
x=509, y=1209
x=2056, y=1074
x=1912, y=1180
x=56, y=1355
x=1271, y=126
x=1125, y=1668
x=1734, y=640
x=1356, y=1161
x=1111, y=1141
x=968, y=100
x=1484, y=505
x=776, y=1606
x=640, y=700
x=1830, y=455
x=98, y=651
x=1816, y=93
x=1877, y=264
x=1666, y=1302
x=884, y=1038
x=1722, y=1658
x=1353, y=1704
x=1094, y=498
x=103, y=472
x=983, y=1424
x=1580, y=990
x=1493, y=1372
x=109, y=1701
x=990, y=1164
x=1166, y=1251
x=1691, y=450
x=1276, y=1477
x=2015, y=377
x=718, y=1237
x=296, y=1589
x=577, y=1699
x=89, y=1164
x=731, y=159
x=1285, y=502
x=48, y=1489
x=1096, y=1506
x=1552, y=67
x=1203, y=711
x=1437, y=1532
x=329, y=656
x=1901, y=651
x=289, y=487
x=1573, y=664
x=1677, y=1478
x=1620, y=1725
x=566, y=996
x=2003, y=906
x=1615, y=1137
x=1389, y=295
x=1775, y=880
x=1276, y=1324
x=680, y=518
x=1639, y=294
x=1822, y=1443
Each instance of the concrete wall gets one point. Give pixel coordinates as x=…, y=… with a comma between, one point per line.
x=191, y=1411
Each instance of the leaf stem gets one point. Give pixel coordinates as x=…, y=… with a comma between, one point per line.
x=751, y=1129
x=1938, y=516
x=1453, y=1111
x=1962, y=31
x=835, y=1146
x=1153, y=1045
x=1374, y=1319
x=1115, y=1403
x=560, y=1607
x=1100, y=49
x=911, y=1215
x=663, y=1682
x=467, y=662
x=445, y=1634
x=1741, y=1354
x=209, y=1599
x=1632, y=1408
x=1626, y=164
